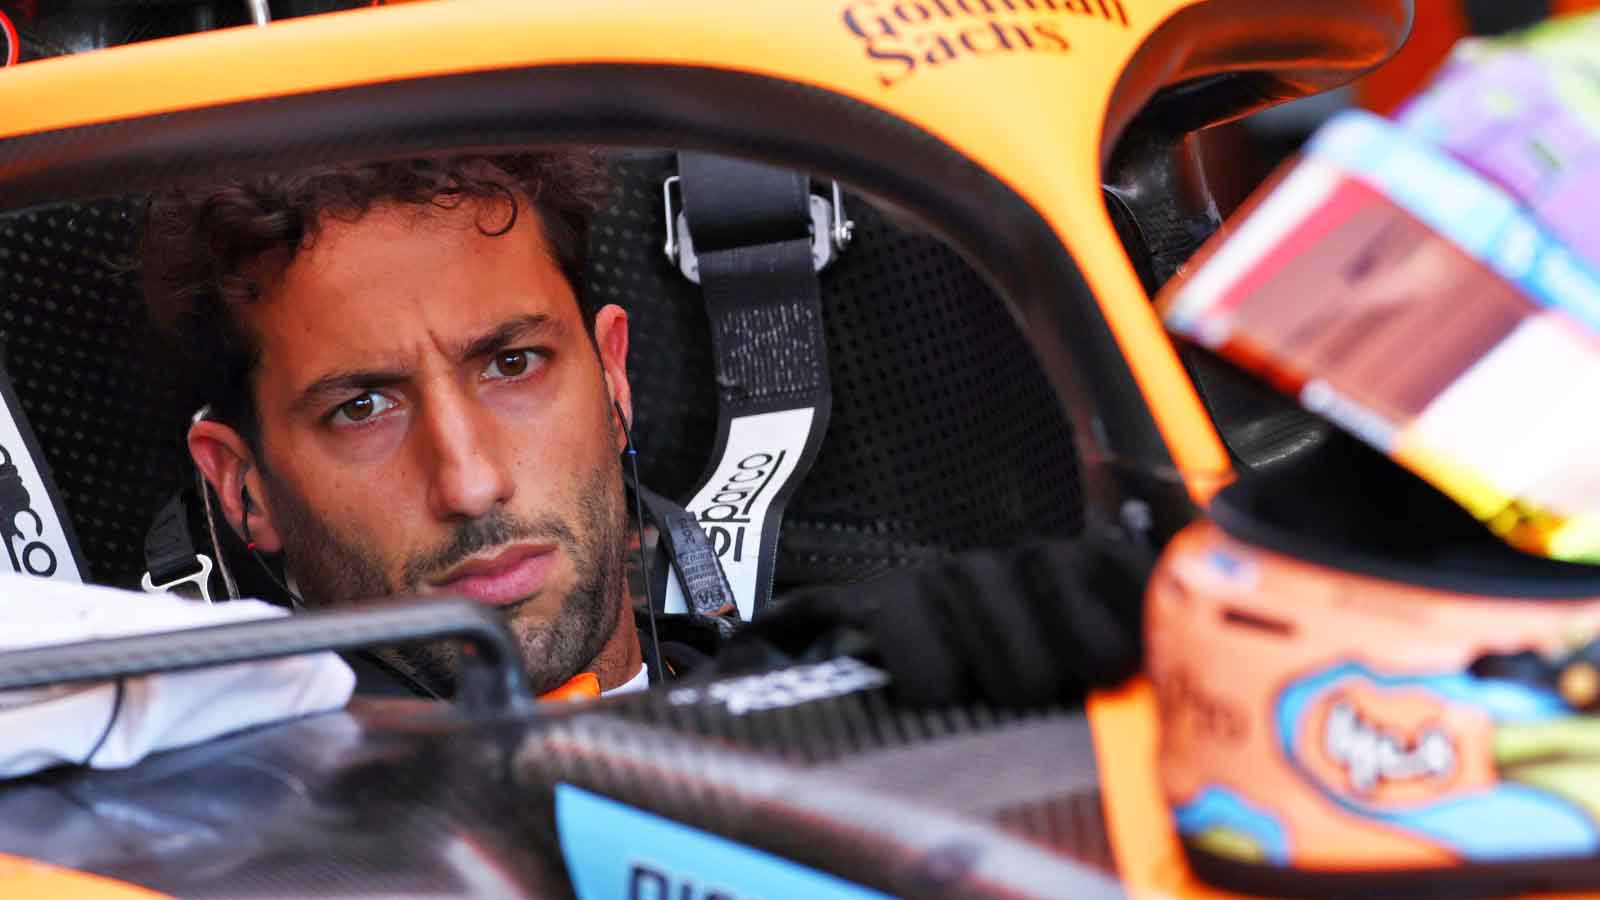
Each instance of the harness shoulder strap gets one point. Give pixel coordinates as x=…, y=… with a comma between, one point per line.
x=753, y=238
x=173, y=565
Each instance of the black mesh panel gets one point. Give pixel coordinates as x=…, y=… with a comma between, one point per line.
x=74, y=344
x=945, y=433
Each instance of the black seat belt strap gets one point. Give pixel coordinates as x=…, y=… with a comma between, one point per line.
x=752, y=234
x=689, y=555
x=172, y=562
x=34, y=526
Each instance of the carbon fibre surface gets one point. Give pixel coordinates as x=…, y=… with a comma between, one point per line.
x=1029, y=774
x=401, y=798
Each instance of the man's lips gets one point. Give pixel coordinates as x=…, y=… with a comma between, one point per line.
x=509, y=575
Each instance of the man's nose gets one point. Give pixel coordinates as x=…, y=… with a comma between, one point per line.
x=470, y=467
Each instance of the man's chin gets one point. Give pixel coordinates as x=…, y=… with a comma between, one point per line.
x=556, y=644
x=538, y=645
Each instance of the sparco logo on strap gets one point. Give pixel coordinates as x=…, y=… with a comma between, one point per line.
x=729, y=516
x=34, y=556
x=735, y=506
x=32, y=524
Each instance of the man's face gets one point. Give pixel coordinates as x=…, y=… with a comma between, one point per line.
x=434, y=420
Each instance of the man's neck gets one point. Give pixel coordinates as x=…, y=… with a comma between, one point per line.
x=619, y=660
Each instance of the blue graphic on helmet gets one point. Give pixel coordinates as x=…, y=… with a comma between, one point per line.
x=1503, y=822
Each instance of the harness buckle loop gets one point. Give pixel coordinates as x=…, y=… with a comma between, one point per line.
x=831, y=231
x=199, y=579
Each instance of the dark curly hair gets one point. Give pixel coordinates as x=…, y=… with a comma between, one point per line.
x=207, y=248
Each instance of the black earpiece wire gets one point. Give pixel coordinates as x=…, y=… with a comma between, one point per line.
x=644, y=564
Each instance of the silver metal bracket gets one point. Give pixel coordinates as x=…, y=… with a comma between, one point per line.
x=831, y=231
x=199, y=579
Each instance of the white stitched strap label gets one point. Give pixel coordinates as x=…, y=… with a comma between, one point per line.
x=732, y=507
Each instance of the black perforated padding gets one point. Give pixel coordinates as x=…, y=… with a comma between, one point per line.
x=945, y=433
x=74, y=344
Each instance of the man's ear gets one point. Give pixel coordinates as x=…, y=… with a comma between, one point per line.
x=611, y=337
x=223, y=457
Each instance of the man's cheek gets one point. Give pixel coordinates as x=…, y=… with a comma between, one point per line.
x=373, y=447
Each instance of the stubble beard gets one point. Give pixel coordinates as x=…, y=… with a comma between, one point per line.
x=333, y=569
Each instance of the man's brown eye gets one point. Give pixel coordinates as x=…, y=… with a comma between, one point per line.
x=513, y=363
x=357, y=409
x=362, y=408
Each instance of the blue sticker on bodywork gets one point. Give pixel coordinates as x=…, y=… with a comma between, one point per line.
x=616, y=852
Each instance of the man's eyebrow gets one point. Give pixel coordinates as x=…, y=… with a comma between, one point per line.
x=496, y=338
x=507, y=333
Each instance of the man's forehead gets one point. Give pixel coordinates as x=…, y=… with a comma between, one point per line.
x=403, y=278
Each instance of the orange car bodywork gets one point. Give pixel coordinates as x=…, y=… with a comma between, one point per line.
x=30, y=878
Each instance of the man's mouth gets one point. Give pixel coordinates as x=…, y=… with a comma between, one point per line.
x=506, y=576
